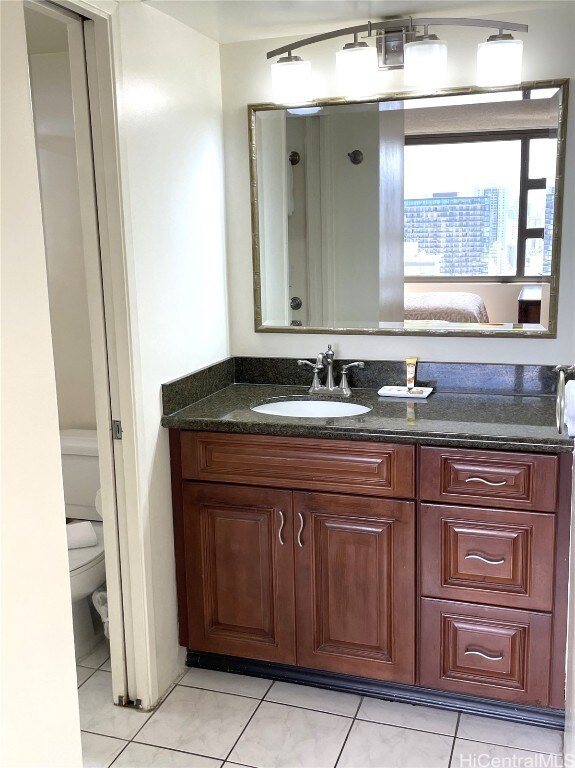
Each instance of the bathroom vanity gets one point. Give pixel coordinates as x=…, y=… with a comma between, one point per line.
x=377, y=553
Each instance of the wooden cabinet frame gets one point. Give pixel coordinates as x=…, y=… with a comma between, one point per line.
x=371, y=473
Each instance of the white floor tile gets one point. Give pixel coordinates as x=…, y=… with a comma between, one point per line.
x=334, y=702
x=100, y=751
x=146, y=756
x=471, y=753
x=83, y=673
x=409, y=716
x=226, y=682
x=490, y=731
x=107, y=666
x=288, y=737
x=98, y=713
x=97, y=657
x=194, y=720
x=371, y=745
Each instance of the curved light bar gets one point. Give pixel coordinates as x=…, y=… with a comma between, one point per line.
x=407, y=24
x=425, y=64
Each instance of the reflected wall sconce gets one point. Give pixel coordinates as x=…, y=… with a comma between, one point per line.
x=398, y=45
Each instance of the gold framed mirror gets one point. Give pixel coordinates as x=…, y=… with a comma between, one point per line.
x=409, y=213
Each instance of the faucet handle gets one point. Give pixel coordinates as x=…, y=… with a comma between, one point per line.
x=317, y=366
x=343, y=384
x=357, y=364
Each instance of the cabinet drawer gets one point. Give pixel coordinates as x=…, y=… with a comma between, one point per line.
x=487, y=556
x=485, y=651
x=380, y=469
x=509, y=480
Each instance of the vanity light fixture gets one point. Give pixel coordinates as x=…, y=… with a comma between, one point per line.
x=499, y=60
x=356, y=66
x=291, y=80
x=423, y=56
x=425, y=62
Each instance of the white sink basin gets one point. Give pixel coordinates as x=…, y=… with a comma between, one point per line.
x=319, y=409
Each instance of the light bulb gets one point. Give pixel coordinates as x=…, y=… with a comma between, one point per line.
x=356, y=67
x=499, y=61
x=291, y=80
x=425, y=62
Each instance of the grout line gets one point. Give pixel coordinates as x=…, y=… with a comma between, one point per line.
x=459, y=714
x=107, y=735
x=271, y=685
x=354, y=720
x=454, y=740
x=510, y=746
x=309, y=709
x=231, y=762
x=89, y=676
x=405, y=727
x=174, y=749
x=271, y=701
x=124, y=748
x=243, y=731
x=226, y=693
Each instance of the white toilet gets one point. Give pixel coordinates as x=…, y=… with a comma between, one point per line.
x=81, y=474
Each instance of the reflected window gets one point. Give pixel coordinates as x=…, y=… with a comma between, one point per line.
x=480, y=207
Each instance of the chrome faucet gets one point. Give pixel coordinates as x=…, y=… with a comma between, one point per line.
x=317, y=388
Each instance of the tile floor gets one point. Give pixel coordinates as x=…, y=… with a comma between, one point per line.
x=212, y=719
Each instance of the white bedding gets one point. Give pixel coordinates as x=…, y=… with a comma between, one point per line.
x=453, y=307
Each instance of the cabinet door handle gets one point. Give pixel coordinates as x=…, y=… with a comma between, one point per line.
x=484, y=558
x=299, y=533
x=488, y=656
x=483, y=480
x=282, y=523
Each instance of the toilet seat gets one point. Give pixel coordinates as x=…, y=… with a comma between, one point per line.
x=83, y=559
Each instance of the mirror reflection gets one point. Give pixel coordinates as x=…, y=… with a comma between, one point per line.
x=431, y=214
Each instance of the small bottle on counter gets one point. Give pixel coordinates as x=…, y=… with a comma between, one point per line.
x=411, y=364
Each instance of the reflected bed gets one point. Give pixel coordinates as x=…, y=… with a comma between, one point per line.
x=453, y=307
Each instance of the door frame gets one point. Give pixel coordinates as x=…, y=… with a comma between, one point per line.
x=91, y=32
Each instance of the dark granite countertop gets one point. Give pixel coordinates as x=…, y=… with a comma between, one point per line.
x=504, y=422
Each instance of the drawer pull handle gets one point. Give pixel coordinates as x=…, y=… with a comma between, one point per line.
x=483, y=480
x=282, y=523
x=484, y=559
x=299, y=533
x=488, y=656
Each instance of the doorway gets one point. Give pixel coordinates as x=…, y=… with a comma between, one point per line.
x=81, y=314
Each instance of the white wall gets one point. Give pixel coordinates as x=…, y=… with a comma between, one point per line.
x=548, y=53
x=40, y=724
x=170, y=130
x=54, y=124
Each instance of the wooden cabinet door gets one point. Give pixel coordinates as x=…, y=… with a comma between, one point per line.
x=355, y=585
x=239, y=571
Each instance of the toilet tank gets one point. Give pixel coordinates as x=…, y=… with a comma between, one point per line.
x=81, y=473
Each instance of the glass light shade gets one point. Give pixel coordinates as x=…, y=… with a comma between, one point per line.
x=425, y=63
x=356, y=68
x=499, y=62
x=291, y=81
